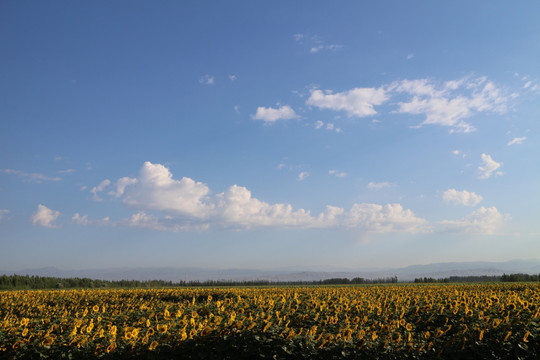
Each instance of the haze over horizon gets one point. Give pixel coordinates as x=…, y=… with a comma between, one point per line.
x=264, y=135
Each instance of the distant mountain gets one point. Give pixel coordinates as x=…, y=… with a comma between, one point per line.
x=409, y=273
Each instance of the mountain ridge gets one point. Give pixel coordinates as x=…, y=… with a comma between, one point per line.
x=407, y=273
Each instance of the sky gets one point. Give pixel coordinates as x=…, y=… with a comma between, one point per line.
x=268, y=134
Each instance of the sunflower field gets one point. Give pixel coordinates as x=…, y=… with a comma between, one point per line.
x=478, y=321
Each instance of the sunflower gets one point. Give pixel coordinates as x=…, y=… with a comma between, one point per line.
x=111, y=347
x=48, y=341
x=162, y=328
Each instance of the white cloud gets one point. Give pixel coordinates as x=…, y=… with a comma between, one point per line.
x=303, y=175
x=31, y=177
x=81, y=220
x=121, y=185
x=357, y=102
x=377, y=186
x=384, y=218
x=337, y=173
x=517, y=141
x=148, y=221
x=155, y=189
x=488, y=167
x=459, y=153
x=410, y=56
x=463, y=197
x=236, y=207
x=329, y=126
x=96, y=189
x=3, y=212
x=315, y=43
x=66, y=171
x=233, y=77
x=443, y=105
x=482, y=221
x=45, y=217
x=186, y=204
x=206, y=80
x=269, y=114
x=320, y=47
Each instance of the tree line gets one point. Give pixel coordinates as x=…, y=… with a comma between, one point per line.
x=483, y=278
x=27, y=282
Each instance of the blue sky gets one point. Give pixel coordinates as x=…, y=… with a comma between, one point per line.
x=268, y=134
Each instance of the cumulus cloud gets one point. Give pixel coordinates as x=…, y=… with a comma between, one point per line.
x=303, y=175
x=337, y=173
x=236, y=207
x=329, y=126
x=80, y=220
x=155, y=189
x=516, y=141
x=377, y=186
x=45, y=217
x=187, y=204
x=482, y=221
x=357, y=102
x=384, y=218
x=206, y=80
x=148, y=221
x=443, y=104
x=3, y=212
x=315, y=43
x=83, y=220
x=488, y=167
x=233, y=77
x=269, y=114
x=459, y=153
x=121, y=185
x=30, y=177
x=96, y=189
x=321, y=47
x=462, y=197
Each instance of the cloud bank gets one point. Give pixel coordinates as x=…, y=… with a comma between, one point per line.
x=448, y=103
x=189, y=204
x=164, y=203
